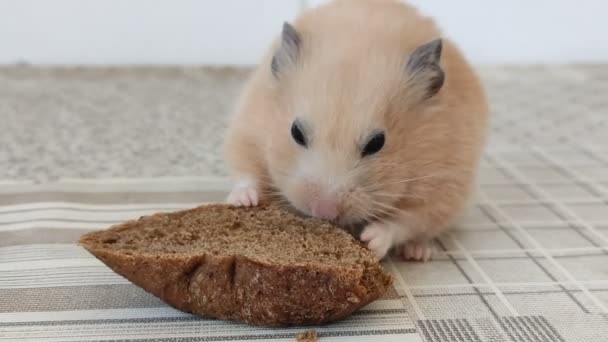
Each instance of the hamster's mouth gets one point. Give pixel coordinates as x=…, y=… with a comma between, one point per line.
x=342, y=221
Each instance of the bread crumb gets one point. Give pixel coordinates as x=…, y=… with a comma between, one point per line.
x=353, y=300
x=308, y=336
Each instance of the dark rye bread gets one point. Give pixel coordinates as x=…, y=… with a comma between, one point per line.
x=262, y=265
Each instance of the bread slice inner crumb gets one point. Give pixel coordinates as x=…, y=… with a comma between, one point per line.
x=265, y=234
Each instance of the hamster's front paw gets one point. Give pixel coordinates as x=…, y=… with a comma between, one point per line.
x=416, y=251
x=379, y=238
x=244, y=194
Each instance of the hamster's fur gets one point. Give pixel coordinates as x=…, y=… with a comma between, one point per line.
x=342, y=75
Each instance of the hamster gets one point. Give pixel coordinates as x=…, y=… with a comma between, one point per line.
x=363, y=115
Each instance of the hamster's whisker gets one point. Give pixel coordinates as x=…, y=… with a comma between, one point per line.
x=368, y=214
x=386, y=207
x=397, y=196
x=411, y=179
x=376, y=193
x=272, y=193
x=363, y=210
x=374, y=207
x=280, y=201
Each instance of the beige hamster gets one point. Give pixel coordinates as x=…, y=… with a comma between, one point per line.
x=363, y=115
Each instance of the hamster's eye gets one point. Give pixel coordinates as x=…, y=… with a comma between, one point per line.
x=374, y=145
x=297, y=134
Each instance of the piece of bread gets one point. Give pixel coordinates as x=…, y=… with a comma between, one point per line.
x=262, y=265
x=307, y=336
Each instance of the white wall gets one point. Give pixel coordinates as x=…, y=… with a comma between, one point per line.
x=524, y=31
x=139, y=31
x=238, y=31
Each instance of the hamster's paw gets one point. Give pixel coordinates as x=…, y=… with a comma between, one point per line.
x=416, y=251
x=379, y=238
x=244, y=194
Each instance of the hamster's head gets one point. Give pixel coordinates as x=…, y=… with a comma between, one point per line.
x=344, y=117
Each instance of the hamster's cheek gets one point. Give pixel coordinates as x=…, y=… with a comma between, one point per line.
x=285, y=180
x=281, y=157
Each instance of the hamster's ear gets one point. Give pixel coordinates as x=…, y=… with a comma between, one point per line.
x=288, y=51
x=425, y=76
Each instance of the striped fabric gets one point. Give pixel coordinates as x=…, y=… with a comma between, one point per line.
x=53, y=290
x=528, y=263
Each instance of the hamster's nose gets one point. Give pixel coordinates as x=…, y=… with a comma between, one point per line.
x=325, y=208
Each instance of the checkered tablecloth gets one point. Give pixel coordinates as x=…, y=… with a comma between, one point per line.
x=528, y=263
